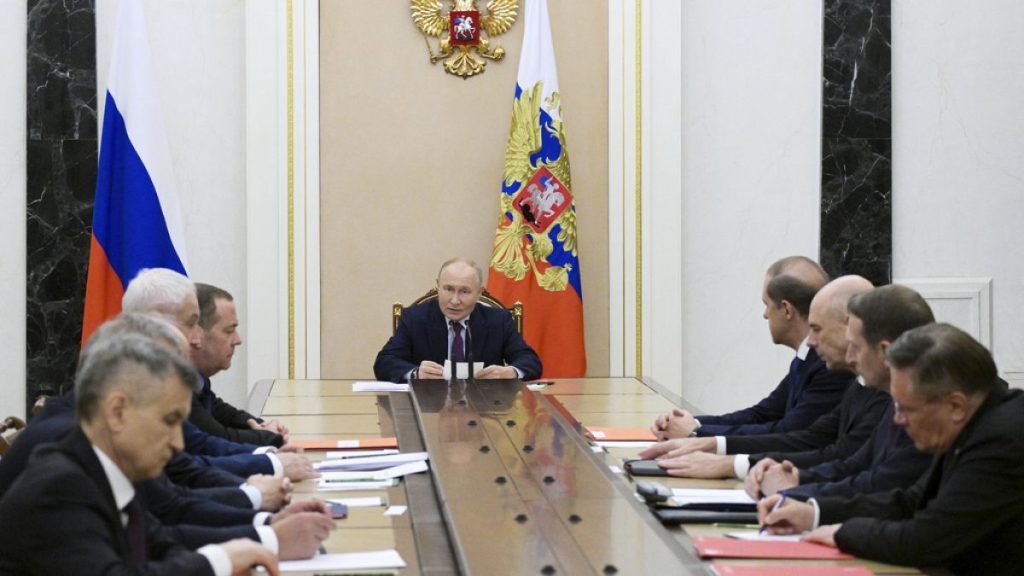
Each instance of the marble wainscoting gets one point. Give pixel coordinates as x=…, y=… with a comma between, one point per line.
x=61, y=184
x=856, y=145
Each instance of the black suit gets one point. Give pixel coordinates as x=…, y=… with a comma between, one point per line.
x=214, y=416
x=966, y=512
x=423, y=335
x=799, y=399
x=62, y=519
x=837, y=434
x=886, y=461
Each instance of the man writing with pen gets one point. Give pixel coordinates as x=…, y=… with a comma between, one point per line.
x=967, y=512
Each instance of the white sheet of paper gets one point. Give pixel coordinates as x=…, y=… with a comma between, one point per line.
x=395, y=510
x=337, y=455
x=711, y=495
x=375, y=560
x=757, y=535
x=461, y=369
x=351, y=485
x=365, y=502
x=623, y=444
x=387, y=473
x=377, y=386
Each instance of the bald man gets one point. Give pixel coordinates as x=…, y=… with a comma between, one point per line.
x=808, y=390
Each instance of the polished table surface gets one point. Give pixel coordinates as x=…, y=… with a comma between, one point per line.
x=514, y=487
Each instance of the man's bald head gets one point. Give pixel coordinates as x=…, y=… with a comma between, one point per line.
x=827, y=319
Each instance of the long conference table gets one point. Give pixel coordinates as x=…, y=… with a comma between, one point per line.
x=514, y=485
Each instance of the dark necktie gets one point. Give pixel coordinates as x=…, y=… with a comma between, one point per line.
x=458, y=348
x=794, y=380
x=136, y=532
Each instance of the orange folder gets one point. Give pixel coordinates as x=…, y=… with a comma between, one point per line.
x=719, y=547
x=357, y=444
x=788, y=570
x=601, y=434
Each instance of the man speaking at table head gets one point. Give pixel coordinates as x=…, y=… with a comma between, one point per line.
x=455, y=328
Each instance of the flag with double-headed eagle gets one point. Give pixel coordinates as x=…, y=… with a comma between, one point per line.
x=535, y=259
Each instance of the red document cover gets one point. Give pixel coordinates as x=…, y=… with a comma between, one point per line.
x=357, y=444
x=788, y=570
x=719, y=547
x=620, y=434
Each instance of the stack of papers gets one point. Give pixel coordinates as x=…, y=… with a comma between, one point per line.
x=368, y=463
x=334, y=455
x=683, y=496
x=352, y=485
x=363, y=480
x=377, y=386
x=717, y=547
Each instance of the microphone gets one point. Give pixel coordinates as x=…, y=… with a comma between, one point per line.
x=469, y=352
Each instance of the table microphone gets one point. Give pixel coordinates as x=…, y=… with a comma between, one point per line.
x=469, y=352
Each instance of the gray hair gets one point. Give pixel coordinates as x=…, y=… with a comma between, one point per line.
x=125, y=362
x=466, y=261
x=942, y=359
x=157, y=290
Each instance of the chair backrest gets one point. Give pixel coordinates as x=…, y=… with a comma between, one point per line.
x=9, y=428
x=485, y=298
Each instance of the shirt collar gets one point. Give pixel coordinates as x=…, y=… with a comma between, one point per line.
x=803, y=350
x=860, y=380
x=120, y=485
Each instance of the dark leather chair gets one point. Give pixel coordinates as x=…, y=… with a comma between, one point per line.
x=486, y=299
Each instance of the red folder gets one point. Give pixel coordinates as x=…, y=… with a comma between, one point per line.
x=788, y=570
x=356, y=444
x=719, y=547
x=601, y=434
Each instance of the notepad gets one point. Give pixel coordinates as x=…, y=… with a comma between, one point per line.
x=683, y=496
x=377, y=386
x=341, y=454
x=620, y=434
x=328, y=444
x=788, y=570
x=370, y=462
x=354, y=485
x=387, y=473
x=718, y=547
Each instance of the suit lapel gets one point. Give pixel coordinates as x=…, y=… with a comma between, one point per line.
x=437, y=332
x=478, y=332
x=78, y=447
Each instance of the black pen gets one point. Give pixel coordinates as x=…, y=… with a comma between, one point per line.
x=772, y=511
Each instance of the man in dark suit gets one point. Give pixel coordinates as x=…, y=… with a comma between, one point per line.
x=808, y=390
x=218, y=320
x=838, y=433
x=455, y=328
x=889, y=459
x=966, y=512
x=75, y=506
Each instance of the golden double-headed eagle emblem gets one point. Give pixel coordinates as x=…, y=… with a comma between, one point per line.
x=462, y=31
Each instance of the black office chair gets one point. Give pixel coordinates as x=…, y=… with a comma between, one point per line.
x=486, y=299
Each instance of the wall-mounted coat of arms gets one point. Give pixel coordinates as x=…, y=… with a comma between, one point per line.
x=464, y=32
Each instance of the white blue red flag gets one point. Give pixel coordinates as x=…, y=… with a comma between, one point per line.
x=535, y=259
x=136, y=221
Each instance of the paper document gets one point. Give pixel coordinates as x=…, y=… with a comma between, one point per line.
x=376, y=386
x=335, y=455
x=329, y=444
x=365, y=502
x=461, y=369
x=758, y=535
x=376, y=560
x=369, y=463
x=788, y=569
x=711, y=496
x=352, y=485
x=717, y=547
x=385, y=474
x=615, y=444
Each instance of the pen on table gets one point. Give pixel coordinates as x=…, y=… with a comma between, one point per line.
x=734, y=525
x=778, y=503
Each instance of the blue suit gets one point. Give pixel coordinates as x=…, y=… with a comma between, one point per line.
x=423, y=335
x=799, y=399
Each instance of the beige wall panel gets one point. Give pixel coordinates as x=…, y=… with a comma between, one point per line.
x=411, y=163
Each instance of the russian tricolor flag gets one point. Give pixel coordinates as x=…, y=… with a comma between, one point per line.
x=136, y=221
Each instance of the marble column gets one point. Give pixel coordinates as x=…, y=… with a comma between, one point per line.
x=856, y=140
x=61, y=183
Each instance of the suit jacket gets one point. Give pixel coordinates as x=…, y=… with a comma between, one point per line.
x=67, y=523
x=794, y=404
x=423, y=335
x=888, y=460
x=837, y=434
x=966, y=512
x=214, y=416
x=238, y=459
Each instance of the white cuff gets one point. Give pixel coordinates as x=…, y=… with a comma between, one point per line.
x=260, y=519
x=268, y=538
x=264, y=450
x=519, y=373
x=408, y=375
x=817, y=513
x=741, y=465
x=255, y=496
x=218, y=559
x=720, y=445
x=276, y=463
